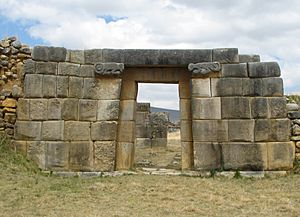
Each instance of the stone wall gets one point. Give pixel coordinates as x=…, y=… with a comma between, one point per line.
x=294, y=115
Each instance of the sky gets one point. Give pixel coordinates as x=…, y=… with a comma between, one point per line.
x=270, y=28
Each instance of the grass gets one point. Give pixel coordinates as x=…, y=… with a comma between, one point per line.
x=24, y=191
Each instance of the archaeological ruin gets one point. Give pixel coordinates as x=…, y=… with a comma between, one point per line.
x=78, y=110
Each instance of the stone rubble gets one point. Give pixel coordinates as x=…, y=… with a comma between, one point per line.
x=294, y=115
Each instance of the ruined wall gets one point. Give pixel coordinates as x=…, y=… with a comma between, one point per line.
x=294, y=115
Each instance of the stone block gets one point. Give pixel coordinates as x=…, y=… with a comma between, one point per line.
x=77, y=130
x=20, y=147
x=201, y=87
x=186, y=131
x=33, y=85
x=246, y=58
x=141, y=118
x=77, y=56
x=235, y=70
x=184, y=87
x=207, y=156
x=71, y=69
x=206, y=108
x=28, y=130
x=9, y=102
x=54, y=109
x=294, y=115
x=235, y=107
x=104, y=155
x=264, y=69
x=49, y=86
x=159, y=142
x=227, y=86
x=62, y=87
x=93, y=56
x=38, y=109
x=128, y=108
x=126, y=131
x=81, y=156
x=29, y=67
x=52, y=130
x=185, y=110
x=281, y=155
x=252, y=87
x=241, y=130
x=36, y=151
x=273, y=130
x=87, y=71
x=129, y=90
x=210, y=130
x=142, y=143
x=87, y=110
x=55, y=54
x=47, y=68
x=57, y=156
x=292, y=107
x=277, y=107
x=272, y=87
x=259, y=107
x=104, y=131
x=69, y=109
x=187, y=156
x=143, y=107
x=108, y=110
x=23, y=109
x=245, y=156
x=226, y=55
x=75, y=87
x=142, y=131
x=124, y=155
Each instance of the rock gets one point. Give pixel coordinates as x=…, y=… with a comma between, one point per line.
x=4, y=43
x=4, y=62
x=16, y=91
x=6, y=50
x=15, y=76
x=296, y=130
x=8, y=74
x=4, y=57
x=25, y=50
x=294, y=115
x=10, y=103
x=292, y=107
x=296, y=121
x=298, y=156
x=16, y=44
x=14, y=50
x=3, y=77
x=12, y=38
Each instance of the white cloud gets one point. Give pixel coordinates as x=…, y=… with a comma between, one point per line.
x=269, y=28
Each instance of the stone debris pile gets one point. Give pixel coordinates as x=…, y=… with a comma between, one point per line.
x=294, y=115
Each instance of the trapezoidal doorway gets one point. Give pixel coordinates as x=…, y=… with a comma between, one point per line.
x=125, y=148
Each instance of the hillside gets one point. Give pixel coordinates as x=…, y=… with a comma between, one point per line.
x=174, y=114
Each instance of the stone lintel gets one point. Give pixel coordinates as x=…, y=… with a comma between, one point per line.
x=202, y=69
x=109, y=68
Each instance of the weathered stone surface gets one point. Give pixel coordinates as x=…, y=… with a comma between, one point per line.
x=49, y=86
x=28, y=130
x=38, y=109
x=87, y=71
x=292, y=107
x=128, y=108
x=201, y=87
x=185, y=110
x=296, y=130
x=10, y=103
x=124, y=155
x=36, y=151
x=77, y=56
x=186, y=131
x=207, y=156
x=104, y=131
x=206, y=108
x=129, y=90
x=55, y=54
x=93, y=56
x=109, y=68
x=69, y=109
x=126, y=131
x=203, y=69
x=10, y=118
x=77, y=130
x=33, y=85
x=272, y=87
x=159, y=142
x=142, y=142
x=75, y=87
x=104, y=155
x=264, y=69
x=48, y=68
x=52, y=130
x=259, y=107
x=227, y=86
x=142, y=131
x=20, y=147
x=187, y=156
x=226, y=55
x=71, y=69
x=235, y=107
x=241, y=130
x=184, y=88
x=252, y=87
x=108, y=110
x=277, y=107
x=87, y=110
x=294, y=115
x=235, y=70
x=62, y=86
x=281, y=155
x=246, y=58
x=23, y=109
x=81, y=155
x=57, y=155
x=272, y=130
x=54, y=109
x=244, y=156
x=29, y=67
x=210, y=130
x=16, y=91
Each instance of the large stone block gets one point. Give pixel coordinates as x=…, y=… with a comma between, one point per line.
x=235, y=70
x=104, y=131
x=38, y=109
x=87, y=110
x=104, y=155
x=29, y=67
x=186, y=131
x=272, y=87
x=206, y=108
x=141, y=118
x=252, y=87
x=126, y=131
x=55, y=54
x=128, y=108
x=227, y=86
x=81, y=155
x=75, y=87
x=23, y=109
x=49, y=86
x=277, y=107
x=57, y=155
x=273, y=130
x=129, y=90
x=93, y=56
x=124, y=155
x=68, y=69
x=28, y=130
x=241, y=130
x=281, y=155
x=244, y=156
x=69, y=109
x=185, y=110
x=184, y=87
x=246, y=58
x=259, y=107
x=264, y=69
x=77, y=130
x=76, y=56
x=201, y=87
x=235, y=107
x=210, y=130
x=226, y=55
x=108, y=110
x=33, y=86
x=207, y=156
x=52, y=130
x=87, y=71
x=36, y=151
x=62, y=87
x=47, y=68
x=54, y=109
x=187, y=155
x=142, y=131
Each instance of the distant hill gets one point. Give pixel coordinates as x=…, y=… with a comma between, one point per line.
x=174, y=114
